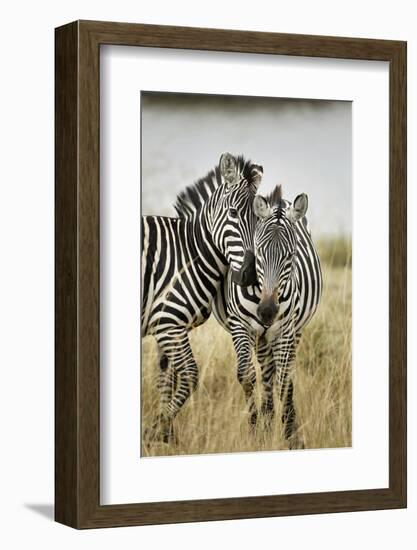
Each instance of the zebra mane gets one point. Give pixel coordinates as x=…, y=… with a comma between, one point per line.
x=278, y=204
x=275, y=197
x=194, y=196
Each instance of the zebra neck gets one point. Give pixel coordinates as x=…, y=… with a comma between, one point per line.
x=205, y=251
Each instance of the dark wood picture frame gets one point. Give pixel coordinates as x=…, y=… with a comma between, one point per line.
x=77, y=360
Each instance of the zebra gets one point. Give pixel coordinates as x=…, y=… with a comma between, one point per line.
x=184, y=260
x=271, y=315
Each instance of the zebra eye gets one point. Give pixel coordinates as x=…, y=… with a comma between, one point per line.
x=233, y=212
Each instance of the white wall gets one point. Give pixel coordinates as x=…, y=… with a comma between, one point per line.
x=26, y=289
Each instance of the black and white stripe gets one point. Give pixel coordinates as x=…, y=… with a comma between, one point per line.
x=270, y=316
x=184, y=261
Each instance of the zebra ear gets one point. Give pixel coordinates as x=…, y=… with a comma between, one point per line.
x=298, y=208
x=228, y=168
x=261, y=207
x=256, y=174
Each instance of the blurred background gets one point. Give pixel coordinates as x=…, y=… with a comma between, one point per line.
x=303, y=144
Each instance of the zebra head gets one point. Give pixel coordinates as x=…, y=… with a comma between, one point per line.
x=275, y=248
x=233, y=218
x=221, y=205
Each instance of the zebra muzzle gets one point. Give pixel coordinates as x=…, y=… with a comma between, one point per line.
x=246, y=275
x=267, y=311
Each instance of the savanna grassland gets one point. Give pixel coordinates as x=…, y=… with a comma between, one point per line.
x=214, y=420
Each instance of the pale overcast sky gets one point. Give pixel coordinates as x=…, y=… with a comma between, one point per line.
x=304, y=145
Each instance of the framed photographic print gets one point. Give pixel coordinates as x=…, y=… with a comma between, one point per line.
x=230, y=274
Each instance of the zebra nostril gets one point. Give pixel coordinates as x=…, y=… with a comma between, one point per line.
x=267, y=312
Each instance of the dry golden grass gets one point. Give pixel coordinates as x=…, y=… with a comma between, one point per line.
x=214, y=420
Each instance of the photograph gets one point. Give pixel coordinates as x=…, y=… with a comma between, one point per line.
x=246, y=274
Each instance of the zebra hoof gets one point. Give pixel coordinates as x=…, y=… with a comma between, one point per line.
x=162, y=431
x=168, y=436
x=296, y=442
x=267, y=420
x=253, y=420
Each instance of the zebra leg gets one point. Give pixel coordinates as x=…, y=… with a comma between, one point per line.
x=267, y=364
x=161, y=430
x=284, y=354
x=167, y=380
x=246, y=373
x=181, y=376
x=289, y=416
